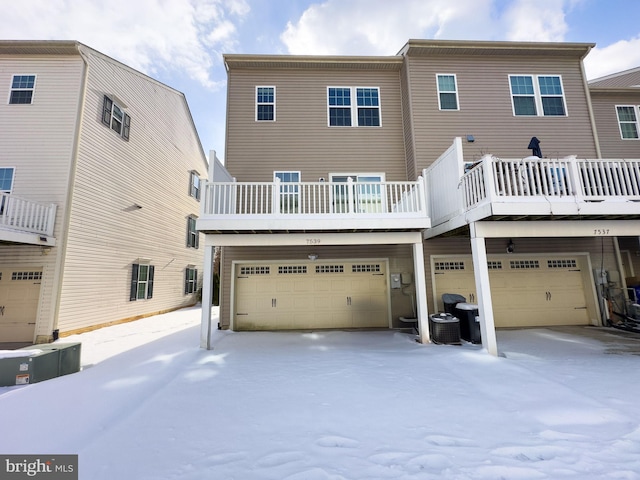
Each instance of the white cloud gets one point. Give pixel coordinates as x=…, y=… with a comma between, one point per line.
x=616, y=57
x=382, y=27
x=150, y=35
x=535, y=20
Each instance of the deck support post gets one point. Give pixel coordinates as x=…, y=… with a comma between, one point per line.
x=421, y=292
x=207, y=297
x=483, y=290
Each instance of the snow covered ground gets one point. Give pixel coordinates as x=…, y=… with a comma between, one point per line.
x=149, y=404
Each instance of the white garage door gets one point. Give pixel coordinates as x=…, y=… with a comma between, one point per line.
x=526, y=291
x=19, y=296
x=310, y=295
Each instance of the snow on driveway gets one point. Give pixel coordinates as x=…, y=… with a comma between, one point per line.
x=149, y=404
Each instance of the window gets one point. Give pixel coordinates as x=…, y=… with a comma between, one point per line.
x=537, y=95
x=340, y=105
x=6, y=179
x=193, y=236
x=194, y=185
x=6, y=185
x=628, y=116
x=114, y=117
x=363, y=195
x=190, y=280
x=22, y=87
x=447, y=92
x=141, y=281
x=265, y=104
x=289, y=194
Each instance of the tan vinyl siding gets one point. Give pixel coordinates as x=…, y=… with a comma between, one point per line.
x=300, y=138
x=107, y=233
x=486, y=110
x=612, y=144
x=400, y=260
x=38, y=140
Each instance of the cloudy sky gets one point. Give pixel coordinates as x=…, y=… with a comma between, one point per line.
x=181, y=42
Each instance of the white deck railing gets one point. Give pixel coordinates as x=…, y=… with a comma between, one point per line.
x=456, y=186
x=315, y=198
x=495, y=179
x=26, y=215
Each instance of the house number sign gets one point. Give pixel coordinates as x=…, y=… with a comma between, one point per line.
x=600, y=231
x=313, y=241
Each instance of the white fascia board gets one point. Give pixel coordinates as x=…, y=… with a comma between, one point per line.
x=312, y=239
x=541, y=229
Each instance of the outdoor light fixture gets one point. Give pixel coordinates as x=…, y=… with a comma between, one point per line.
x=510, y=246
x=313, y=256
x=470, y=138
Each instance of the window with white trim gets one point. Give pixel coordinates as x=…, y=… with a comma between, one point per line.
x=193, y=236
x=22, y=88
x=190, y=280
x=6, y=179
x=265, y=104
x=114, y=117
x=194, y=184
x=6, y=185
x=447, y=92
x=342, y=112
x=628, y=116
x=289, y=191
x=141, y=281
x=363, y=194
x=537, y=95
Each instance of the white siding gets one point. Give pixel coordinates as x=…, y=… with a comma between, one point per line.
x=38, y=141
x=107, y=234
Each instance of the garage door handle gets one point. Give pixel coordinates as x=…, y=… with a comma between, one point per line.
x=274, y=302
x=348, y=300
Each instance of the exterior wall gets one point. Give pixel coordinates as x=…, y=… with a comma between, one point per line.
x=400, y=260
x=107, y=233
x=486, y=110
x=612, y=144
x=300, y=138
x=38, y=140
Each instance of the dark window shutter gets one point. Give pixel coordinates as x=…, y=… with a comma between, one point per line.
x=197, y=234
x=195, y=280
x=189, y=232
x=134, y=282
x=126, y=125
x=107, y=106
x=186, y=281
x=150, y=284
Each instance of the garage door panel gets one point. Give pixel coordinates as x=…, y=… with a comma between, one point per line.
x=526, y=291
x=311, y=295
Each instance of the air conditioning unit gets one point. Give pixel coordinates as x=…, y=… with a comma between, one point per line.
x=37, y=363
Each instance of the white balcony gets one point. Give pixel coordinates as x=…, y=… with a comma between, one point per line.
x=26, y=221
x=462, y=192
x=318, y=206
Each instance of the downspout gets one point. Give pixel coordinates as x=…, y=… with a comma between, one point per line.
x=592, y=117
x=62, y=252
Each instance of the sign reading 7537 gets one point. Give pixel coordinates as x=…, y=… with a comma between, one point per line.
x=601, y=231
